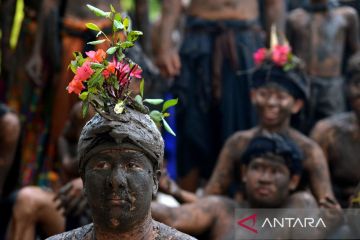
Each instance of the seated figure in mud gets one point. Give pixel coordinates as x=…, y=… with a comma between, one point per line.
x=339, y=137
x=277, y=94
x=119, y=159
x=271, y=167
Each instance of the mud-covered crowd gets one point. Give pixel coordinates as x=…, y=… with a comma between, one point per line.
x=268, y=117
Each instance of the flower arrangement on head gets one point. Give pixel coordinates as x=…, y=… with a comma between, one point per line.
x=279, y=65
x=104, y=83
x=279, y=55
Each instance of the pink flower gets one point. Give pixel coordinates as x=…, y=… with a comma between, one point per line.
x=136, y=72
x=97, y=56
x=84, y=72
x=260, y=55
x=280, y=54
x=75, y=86
x=110, y=69
x=122, y=67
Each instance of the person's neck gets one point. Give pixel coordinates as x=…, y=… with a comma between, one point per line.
x=281, y=128
x=142, y=230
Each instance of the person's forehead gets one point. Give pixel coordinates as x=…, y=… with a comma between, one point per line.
x=274, y=161
x=274, y=88
x=112, y=153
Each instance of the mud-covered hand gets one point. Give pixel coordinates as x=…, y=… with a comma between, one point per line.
x=34, y=68
x=71, y=198
x=168, y=186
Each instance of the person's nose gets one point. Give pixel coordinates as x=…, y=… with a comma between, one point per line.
x=117, y=178
x=265, y=177
x=272, y=100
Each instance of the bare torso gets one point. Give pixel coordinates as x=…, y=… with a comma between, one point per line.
x=340, y=138
x=224, y=9
x=228, y=169
x=320, y=38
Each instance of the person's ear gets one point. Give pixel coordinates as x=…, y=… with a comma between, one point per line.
x=243, y=173
x=156, y=177
x=253, y=96
x=298, y=104
x=294, y=182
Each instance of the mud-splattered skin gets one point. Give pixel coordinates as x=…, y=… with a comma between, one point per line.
x=339, y=137
x=228, y=168
x=319, y=38
x=120, y=158
x=119, y=184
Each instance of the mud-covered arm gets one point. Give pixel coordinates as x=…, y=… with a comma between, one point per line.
x=320, y=183
x=194, y=218
x=223, y=173
x=35, y=65
x=322, y=133
x=169, y=186
x=275, y=13
x=352, y=30
x=9, y=135
x=167, y=58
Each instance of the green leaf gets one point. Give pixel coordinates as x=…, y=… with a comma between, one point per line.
x=112, y=8
x=98, y=12
x=111, y=50
x=96, y=42
x=156, y=115
x=83, y=96
x=85, y=108
x=118, y=24
x=126, y=44
x=168, y=128
x=97, y=65
x=154, y=101
x=169, y=103
x=92, y=26
x=118, y=17
x=134, y=35
x=95, y=79
x=126, y=23
x=142, y=88
x=138, y=99
x=116, y=85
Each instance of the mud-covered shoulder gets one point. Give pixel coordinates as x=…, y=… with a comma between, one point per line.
x=168, y=233
x=81, y=233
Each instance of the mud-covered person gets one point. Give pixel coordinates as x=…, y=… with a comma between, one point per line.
x=9, y=136
x=36, y=208
x=322, y=35
x=119, y=159
x=271, y=168
x=276, y=94
x=339, y=137
x=212, y=83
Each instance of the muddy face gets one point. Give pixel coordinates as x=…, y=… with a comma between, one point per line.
x=119, y=184
x=267, y=183
x=274, y=105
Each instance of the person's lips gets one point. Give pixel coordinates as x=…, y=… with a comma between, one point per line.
x=264, y=191
x=117, y=200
